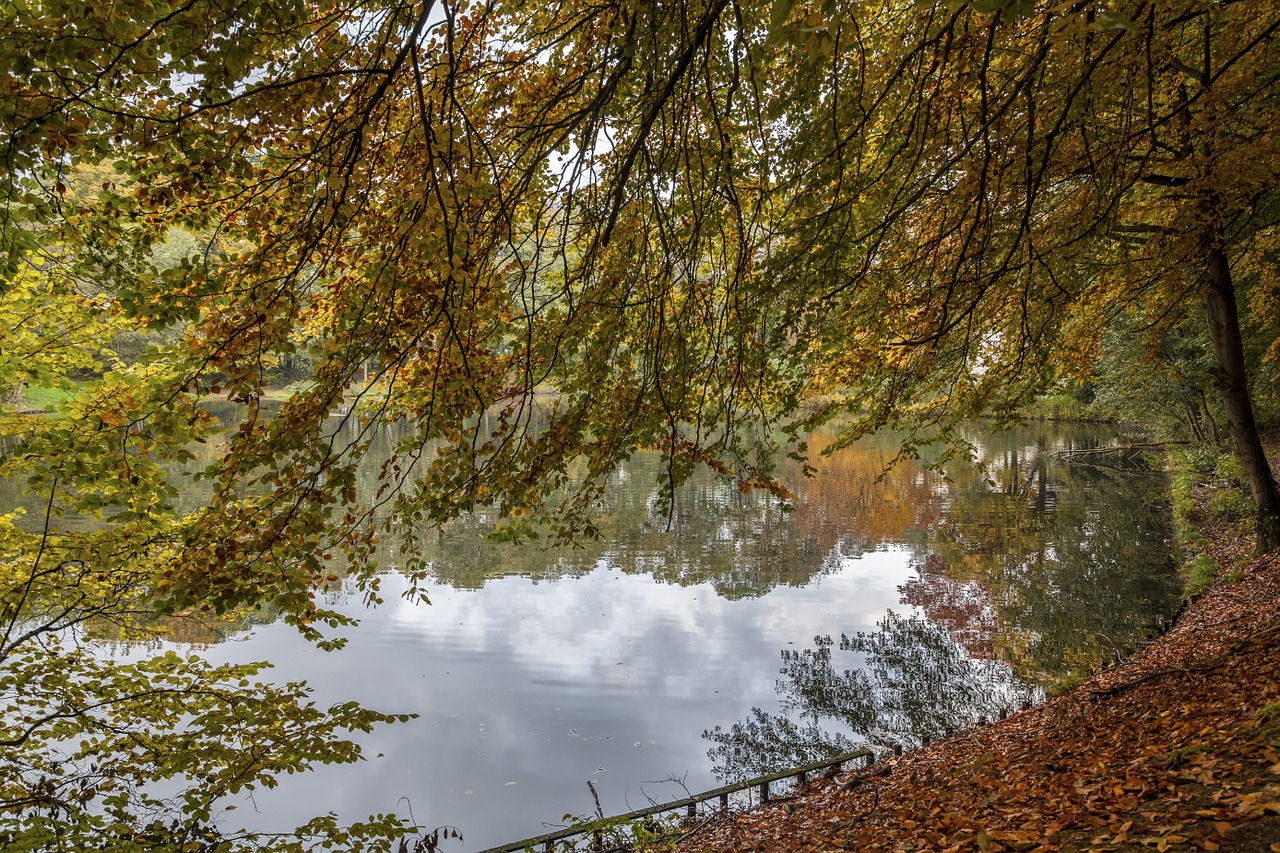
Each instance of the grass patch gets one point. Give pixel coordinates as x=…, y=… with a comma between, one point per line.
x=980, y=765
x=1268, y=713
x=45, y=398
x=1179, y=757
x=1184, y=470
x=1064, y=684
x=1267, y=719
x=1236, y=571
x=1055, y=407
x=286, y=392
x=1228, y=499
x=1199, y=573
x=1205, y=488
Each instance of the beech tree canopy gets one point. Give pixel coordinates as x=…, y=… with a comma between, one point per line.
x=551, y=234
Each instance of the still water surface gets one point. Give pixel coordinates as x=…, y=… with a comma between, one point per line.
x=737, y=640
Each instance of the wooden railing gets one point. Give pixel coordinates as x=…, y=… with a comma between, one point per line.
x=689, y=804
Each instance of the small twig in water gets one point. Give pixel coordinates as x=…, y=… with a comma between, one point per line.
x=596, y=797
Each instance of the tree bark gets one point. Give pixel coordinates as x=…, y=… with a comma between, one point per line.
x=1229, y=374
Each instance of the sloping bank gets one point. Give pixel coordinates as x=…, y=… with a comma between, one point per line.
x=1176, y=748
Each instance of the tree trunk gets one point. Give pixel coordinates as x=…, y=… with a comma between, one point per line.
x=1229, y=374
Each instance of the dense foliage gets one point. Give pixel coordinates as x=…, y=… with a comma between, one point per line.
x=547, y=235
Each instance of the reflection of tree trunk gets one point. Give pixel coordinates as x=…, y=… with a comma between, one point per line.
x=1229, y=373
x=1041, y=495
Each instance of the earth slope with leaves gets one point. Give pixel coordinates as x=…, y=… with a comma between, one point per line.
x=1176, y=748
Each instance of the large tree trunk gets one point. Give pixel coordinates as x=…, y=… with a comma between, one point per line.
x=1228, y=352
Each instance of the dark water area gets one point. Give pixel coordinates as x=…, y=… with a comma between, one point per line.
x=729, y=639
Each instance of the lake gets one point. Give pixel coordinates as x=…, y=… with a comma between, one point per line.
x=727, y=640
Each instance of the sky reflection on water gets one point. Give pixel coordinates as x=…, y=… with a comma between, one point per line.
x=526, y=689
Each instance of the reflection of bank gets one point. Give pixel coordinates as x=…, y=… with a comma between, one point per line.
x=1047, y=563
x=897, y=686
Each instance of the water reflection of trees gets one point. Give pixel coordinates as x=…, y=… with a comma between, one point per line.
x=1043, y=563
x=742, y=544
x=1046, y=564
x=904, y=682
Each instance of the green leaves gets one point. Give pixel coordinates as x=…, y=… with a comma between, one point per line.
x=92, y=736
x=779, y=14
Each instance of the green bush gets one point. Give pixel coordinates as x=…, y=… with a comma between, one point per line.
x=1188, y=468
x=1229, y=499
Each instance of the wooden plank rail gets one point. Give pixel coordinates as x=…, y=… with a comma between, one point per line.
x=690, y=804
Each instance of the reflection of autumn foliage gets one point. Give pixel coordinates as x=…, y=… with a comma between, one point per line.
x=854, y=496
x=198, y=633
x=194, y=630
x=986, y=528
x=964, y=609
x=746, y=544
